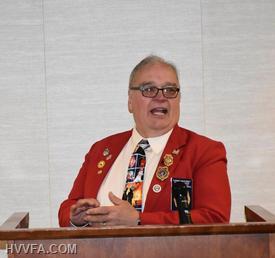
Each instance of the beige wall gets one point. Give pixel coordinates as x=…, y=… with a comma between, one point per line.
x=64, y=67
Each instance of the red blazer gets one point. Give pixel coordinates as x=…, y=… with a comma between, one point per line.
x=195, y=157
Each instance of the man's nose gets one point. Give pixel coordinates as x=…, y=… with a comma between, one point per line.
x=160, y=95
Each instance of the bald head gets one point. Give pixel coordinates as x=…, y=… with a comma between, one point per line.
x=147, y=61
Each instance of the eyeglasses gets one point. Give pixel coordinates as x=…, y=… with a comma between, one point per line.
x=150, y=91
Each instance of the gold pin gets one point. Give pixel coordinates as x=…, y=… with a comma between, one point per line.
x=175, y=151
x=106, y=152
x=99, y=172
x=101, y=164
x=162, y=173
x=168, y=160
x=109, y=157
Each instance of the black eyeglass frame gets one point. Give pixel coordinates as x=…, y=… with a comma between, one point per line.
x=142, y=88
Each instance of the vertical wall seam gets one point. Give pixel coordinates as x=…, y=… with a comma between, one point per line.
x=203, y=71
x=47, y=112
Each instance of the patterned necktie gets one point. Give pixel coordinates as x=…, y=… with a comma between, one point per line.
x=134, y=181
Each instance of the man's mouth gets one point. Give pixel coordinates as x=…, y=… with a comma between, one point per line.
x=159, y=111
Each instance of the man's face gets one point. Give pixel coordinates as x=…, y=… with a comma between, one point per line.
x=154, y=116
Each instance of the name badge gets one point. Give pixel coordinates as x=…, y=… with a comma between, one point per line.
x=183, y=187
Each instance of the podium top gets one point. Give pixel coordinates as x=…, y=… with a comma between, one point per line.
x=16, y=228
x=147, y=230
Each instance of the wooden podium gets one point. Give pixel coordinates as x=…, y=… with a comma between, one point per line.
x=256, y=238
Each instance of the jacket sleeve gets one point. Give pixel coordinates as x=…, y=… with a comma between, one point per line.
x=76, y=193
x=212, y=196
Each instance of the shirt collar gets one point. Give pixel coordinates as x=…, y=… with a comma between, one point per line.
x=157, y=144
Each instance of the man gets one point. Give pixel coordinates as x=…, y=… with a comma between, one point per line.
x=105, y=191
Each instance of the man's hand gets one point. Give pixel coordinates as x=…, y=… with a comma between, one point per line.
x=122, y=213
x=78, y=211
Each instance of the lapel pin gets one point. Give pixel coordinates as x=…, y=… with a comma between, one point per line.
x=168, y=160
x=175, y=151
x=156, y=188
x=101, y=164
x=162, y=173
x=99, y=172
x=106, y=152
x=109, y=157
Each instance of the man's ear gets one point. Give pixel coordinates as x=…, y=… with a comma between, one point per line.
x=130, y=108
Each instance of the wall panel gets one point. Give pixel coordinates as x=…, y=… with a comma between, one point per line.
x=239, y=81
x=23, y=115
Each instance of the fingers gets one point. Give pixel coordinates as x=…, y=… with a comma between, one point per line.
x=89, y=210
x=97, y=219
x=103, y=224
x=104, y=210
x=97, y=215
x=78, y=210
x=87, y=203
x=123, y=214
x=82, y=205
x=114, y=199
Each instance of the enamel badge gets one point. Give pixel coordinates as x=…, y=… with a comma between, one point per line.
x=168, y=160
x=162, y=173
x=156, y=188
